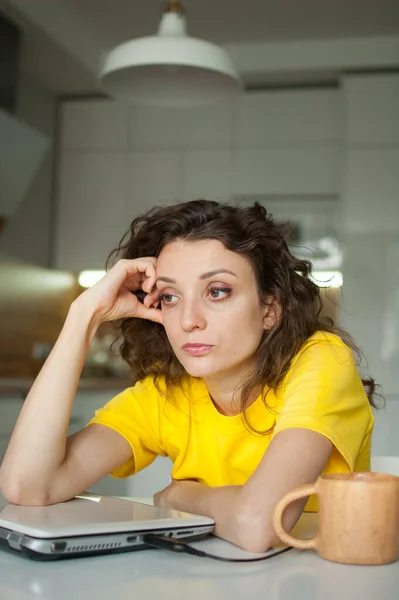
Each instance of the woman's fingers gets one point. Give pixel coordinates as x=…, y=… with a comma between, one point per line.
x=114, y=297
x=152, y=314
x=137, y=273
x=144, y=277
x=152, y=299
x=150, y=278
x=134, y=274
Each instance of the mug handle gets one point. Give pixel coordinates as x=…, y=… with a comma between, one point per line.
x=300, y=492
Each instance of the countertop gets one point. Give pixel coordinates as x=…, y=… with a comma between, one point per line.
x=21, y=386
x=163, y=575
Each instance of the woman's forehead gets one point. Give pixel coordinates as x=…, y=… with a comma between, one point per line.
x=201, y=255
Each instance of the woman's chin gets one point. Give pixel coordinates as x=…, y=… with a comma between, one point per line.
x=207, y=367
x=201, y=370
x=198, y=372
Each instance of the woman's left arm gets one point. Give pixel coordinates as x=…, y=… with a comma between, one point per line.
x=243, y=514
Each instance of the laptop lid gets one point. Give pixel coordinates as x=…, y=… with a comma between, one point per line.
x=90, y=514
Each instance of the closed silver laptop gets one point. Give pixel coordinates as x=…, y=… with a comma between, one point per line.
x=89, y=525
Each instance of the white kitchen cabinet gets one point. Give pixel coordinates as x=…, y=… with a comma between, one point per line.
x=99, y=195
x=372, y=108
x=370, y=224
x=91, y=205
x=116, y=161
x=157, y=129
x=94, y=125
x=287, y=117
x=371, y=189
x=152, y=178
x=207, y=174
x=286, y=170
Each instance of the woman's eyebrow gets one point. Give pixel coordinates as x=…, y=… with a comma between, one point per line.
x=203, y=276
x=216, y=272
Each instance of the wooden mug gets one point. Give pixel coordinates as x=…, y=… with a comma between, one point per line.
x=358, y=520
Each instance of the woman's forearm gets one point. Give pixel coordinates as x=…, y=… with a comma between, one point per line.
x=222, y=504
x=228, y=507
x=37, y=446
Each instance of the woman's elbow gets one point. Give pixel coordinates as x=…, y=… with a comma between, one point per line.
x=16, y=493
x=255, y=533
x=257, y=542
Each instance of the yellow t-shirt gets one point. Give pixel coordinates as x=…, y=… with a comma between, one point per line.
x=322, y=391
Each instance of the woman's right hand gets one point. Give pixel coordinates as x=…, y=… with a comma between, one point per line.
x=112, y=298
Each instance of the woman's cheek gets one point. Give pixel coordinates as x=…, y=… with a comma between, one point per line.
x=168, y=325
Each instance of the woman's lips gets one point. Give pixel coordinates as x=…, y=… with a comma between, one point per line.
x=197, y=349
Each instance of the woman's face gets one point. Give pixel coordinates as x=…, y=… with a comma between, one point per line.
x=211, y=310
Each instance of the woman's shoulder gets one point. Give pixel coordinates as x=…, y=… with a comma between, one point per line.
x=325, y=339
x=323, y=369
x=325, y=349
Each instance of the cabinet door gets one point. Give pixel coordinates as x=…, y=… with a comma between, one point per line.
x=91, y=208
x=154, y=178
x=286, y=170
x=165, y=129
x=371, y=173
x=372, y=107
x=207, y=174
x=88, y=125
x=288, y=117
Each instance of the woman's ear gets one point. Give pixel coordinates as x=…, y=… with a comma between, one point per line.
x=272, y=313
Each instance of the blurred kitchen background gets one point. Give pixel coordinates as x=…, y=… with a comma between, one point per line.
x=313, y=135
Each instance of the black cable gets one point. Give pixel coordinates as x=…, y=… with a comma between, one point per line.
x=167, y=543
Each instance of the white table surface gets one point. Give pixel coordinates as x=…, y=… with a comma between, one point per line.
x=163, y=575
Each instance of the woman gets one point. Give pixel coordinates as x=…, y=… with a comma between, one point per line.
x=238, y=378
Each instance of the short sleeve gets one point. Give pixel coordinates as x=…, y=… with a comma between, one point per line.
x=324, y=392
x=134, y=414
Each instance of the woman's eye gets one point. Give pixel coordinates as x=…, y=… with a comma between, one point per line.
x=219, y=293
x=167, y=298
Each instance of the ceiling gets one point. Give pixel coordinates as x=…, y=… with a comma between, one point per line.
x=226, y=21
x=64, y=38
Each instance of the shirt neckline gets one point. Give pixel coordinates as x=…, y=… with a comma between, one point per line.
x=207, y=411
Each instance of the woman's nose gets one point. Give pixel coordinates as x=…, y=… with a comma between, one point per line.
x=192, y=316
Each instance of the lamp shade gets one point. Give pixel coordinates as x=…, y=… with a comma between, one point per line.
x=170, y=69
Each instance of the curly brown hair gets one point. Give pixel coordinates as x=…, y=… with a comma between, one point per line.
x=251, y=232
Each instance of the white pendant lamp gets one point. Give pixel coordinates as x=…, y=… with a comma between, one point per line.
x=170, y=69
